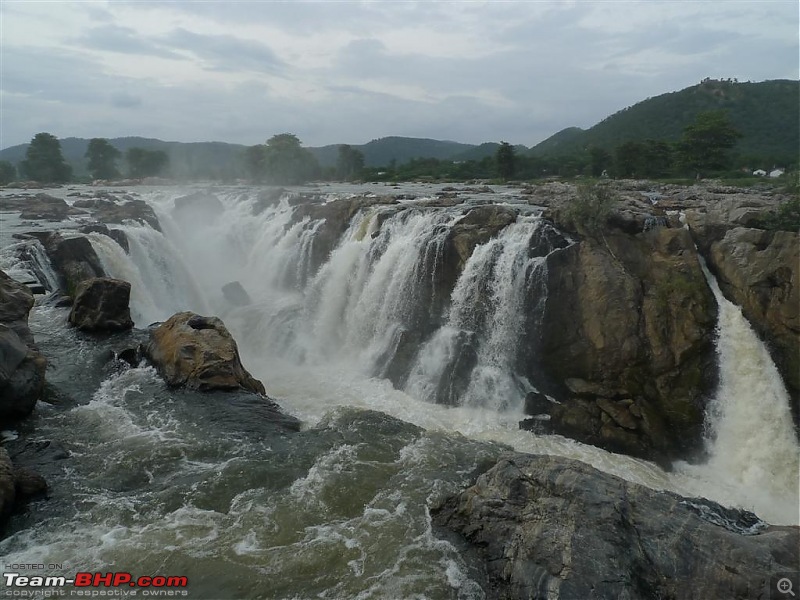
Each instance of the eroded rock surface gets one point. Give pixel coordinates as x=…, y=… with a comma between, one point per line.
x=199, y=353
x=627, y=343
x=550, y=527
x=102, y=305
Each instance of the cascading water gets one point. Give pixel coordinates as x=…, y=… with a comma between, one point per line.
x=178, y=480
x=753, y=450
x=486, y=319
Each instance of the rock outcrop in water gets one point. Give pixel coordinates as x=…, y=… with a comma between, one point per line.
x=22, y=366
x=102, y=305
x=550, y=527
x=199, y=353
x=73, y=259
x=628, y=329
x=626, y=340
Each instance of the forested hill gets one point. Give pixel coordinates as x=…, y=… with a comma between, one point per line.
x=383, y=151
x=765, y=113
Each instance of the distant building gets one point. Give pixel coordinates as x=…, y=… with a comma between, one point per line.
x=776, y=173
x=759, y=172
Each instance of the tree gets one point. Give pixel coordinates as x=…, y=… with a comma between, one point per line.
x=350, y=163
x=629, y=159
x=706, y=143
x=504, y=159
x=601, y=160
x=254, y=161
x=102, y=159
x=146, y=163
x=44, y=162
x=8, y=172
x=285, y=162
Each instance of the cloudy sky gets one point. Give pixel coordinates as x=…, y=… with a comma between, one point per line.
x=348, y=72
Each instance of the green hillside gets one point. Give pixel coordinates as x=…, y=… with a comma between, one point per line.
x=766, y=113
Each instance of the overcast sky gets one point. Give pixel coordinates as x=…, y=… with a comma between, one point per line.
x=348, y=72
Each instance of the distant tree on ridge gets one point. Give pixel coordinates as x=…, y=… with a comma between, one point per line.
x=44, y=161
x=102, y=159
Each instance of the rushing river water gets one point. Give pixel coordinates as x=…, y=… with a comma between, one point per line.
x=179, y=483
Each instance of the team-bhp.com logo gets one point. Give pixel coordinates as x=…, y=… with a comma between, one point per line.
x=92, y=585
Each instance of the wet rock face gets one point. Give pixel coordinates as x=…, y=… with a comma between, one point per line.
x=102, y=306
x=544, y=526
x=199, y=353
x=115, y=234
x=22, y=367
x=627, y=343
x=73, y=259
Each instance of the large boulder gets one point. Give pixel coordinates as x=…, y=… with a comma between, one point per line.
x=551, y=527
x=760, y=271
x=102, y=305
x=626, y=343
x=199, y=353
x=22, y=366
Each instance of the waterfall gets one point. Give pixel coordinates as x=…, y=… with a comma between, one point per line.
x=471, y=359
x=751, y=441
x=371, y=309
x=161, y=283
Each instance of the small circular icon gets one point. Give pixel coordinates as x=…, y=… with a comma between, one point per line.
x=785, y=586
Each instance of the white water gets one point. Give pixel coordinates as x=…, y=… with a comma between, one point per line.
x=754, y=454
x=314, y=339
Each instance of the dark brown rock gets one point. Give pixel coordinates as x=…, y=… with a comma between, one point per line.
x=199, y=353
x=629, y=316
x=102, y=305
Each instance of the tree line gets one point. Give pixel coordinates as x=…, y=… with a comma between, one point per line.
x=45, y=163
x=705, y=149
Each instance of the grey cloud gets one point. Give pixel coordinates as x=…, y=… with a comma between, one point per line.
x=124, y=40
x=125, y=100
x=226, y=52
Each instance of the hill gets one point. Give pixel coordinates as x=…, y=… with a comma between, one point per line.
x=766, y=113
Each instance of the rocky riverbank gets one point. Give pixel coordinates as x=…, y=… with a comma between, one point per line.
x=549, y=527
